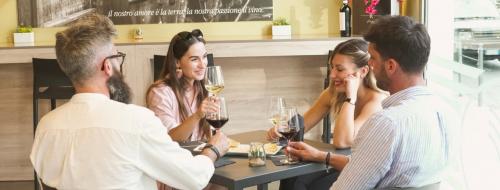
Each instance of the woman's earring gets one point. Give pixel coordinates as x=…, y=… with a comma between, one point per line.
x=178, y=72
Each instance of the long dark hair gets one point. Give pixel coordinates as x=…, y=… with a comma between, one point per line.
x=179, y=45
x=358, y=50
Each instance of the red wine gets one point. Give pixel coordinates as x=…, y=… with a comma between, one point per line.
x=217, y=123
x=288, y=133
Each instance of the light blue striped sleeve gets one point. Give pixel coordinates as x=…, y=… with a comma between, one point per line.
x=371, y=157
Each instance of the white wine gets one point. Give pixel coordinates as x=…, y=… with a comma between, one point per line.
x=274, y=120
x=214, y=89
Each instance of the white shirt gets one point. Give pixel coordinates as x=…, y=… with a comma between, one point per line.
x=93, y=142
x=405, y=145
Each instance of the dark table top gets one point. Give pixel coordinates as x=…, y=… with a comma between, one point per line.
x=240, y=175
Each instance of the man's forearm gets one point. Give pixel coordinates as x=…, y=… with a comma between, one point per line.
x=337, y=161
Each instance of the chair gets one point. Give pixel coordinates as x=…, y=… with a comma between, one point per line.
x=159, y=60
x=49, y=82
x=45, y=186
x=327, y=134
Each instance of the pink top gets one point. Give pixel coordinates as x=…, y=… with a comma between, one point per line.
x=163, y=103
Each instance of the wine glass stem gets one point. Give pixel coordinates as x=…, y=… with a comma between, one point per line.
x=287, y=152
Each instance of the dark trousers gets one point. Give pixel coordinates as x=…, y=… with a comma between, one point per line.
x=317, y=181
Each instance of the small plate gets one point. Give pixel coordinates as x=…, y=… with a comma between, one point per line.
x=242, y=149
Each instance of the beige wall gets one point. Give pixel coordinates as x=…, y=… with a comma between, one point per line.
x=305, y=16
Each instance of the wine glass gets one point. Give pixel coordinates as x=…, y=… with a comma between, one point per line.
x=275, y=107
x=214, y=81
x=274, y=110
x=288, y=126
x=219, y=118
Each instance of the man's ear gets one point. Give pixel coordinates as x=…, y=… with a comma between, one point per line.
x=391, y=66
x=107, y=67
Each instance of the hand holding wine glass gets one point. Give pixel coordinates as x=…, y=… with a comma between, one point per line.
x=274, y=110
x=288, y=127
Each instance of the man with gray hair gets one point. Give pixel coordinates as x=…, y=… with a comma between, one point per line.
x=97, y=140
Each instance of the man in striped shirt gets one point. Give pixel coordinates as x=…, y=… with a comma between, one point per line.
x=407, y=144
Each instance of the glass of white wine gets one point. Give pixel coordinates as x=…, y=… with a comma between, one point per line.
x=214, y=81
x=276, y=106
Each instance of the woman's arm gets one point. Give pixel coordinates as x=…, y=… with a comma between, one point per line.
x=161, y=101
x=320, y=108
x=346, y=126
x=185, y=129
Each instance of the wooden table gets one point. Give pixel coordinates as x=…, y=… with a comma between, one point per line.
x=239, y=175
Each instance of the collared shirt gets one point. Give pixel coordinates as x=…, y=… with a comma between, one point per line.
x=163, y=103
x=407, y=144
x=92, y=142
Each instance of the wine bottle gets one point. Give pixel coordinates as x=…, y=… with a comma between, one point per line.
x=345, y=19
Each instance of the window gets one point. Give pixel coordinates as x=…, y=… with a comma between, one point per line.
x=465, y=67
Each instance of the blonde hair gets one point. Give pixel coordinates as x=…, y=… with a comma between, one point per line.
x=358, y=50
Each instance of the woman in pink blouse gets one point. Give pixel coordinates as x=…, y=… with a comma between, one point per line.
x=179, y=97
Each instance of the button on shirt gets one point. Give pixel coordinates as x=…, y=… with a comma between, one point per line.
x=407, y=144
x=92, y=142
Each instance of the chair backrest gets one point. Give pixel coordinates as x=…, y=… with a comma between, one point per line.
x=326, y=120
x=46, y=187
x=43, y=185
x=47, y=73
x=210, y=59
x=159, y=60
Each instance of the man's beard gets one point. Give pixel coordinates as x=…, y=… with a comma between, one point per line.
x=382, y=80
x=118, y=89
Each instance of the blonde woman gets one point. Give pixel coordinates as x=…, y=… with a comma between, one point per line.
x=352, y=95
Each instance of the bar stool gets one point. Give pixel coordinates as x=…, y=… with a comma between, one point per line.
x=49, y=82
x=159, y=60
x=327, y=123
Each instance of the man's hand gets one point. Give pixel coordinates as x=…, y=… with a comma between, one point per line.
x=220, y=141
x=305, y=152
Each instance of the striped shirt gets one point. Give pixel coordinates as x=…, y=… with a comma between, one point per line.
x=404, y=145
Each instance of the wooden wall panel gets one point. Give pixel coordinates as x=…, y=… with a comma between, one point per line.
x=16, y=126
x=250, y=82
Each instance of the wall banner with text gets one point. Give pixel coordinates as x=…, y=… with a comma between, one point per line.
x=52, y=13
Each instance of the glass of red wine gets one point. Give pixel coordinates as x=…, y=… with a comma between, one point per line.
x=219, y=118
x=288, y=128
